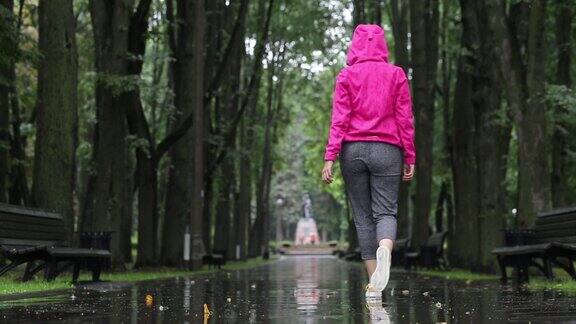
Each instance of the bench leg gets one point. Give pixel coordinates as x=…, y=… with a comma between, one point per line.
x=545, y=267
x=50, y=270
x=571, y=269
x=502, y=264
x=76, y=272
x=9, y=267
x=522, y=271
x=548, y=268
x=568, y=267
x=32, y=268
x=96, y=270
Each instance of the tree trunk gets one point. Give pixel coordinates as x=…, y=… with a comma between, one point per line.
x=104, y=208
x=223, y=208
x=524, y=90
x=564, y=17
x=464, y=167
x=480, y=147
x=245, y=188
x=6, y=69
x=125, y=235
x=359, y=13
x=399, y=19
x=179, y=192
x=57, y=116
x=147, y=160
x=424, y=31
x=195, y=16
x=257, y=236
x=492, y=142
x=375, y=11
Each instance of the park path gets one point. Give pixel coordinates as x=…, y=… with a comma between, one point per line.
x=295, y=289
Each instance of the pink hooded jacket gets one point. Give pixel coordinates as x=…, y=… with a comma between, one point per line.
x=371, y=98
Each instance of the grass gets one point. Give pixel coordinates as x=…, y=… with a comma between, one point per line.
x=563, y=283
x=458, y=274
x=567, y=286
x=10, y=284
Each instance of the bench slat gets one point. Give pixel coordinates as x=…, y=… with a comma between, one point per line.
x=25, y=219
x=25, y=234
x=522, y=249
x=28, y=211
x=20, y=242
x=554, y=219
x=552, y=233
x=568, y=225
x=65, y=252
x=559, y=211
x=566, y=239
x=32, y=227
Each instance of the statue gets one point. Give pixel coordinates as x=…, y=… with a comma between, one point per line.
x=306, y=230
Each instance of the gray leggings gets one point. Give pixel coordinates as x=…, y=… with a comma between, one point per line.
x=372, y=173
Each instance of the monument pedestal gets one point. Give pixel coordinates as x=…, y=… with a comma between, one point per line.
x=306, y=232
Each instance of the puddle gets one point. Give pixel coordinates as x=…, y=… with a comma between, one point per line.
x=302, y=289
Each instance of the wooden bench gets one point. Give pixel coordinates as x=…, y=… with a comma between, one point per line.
x=401, y=247
x=38, y=239
x=430, y=255
x=552, y=243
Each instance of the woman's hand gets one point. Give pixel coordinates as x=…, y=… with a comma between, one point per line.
x=408, y=172
x=327, y=175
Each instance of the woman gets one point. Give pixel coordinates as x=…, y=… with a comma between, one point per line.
x=372, y=133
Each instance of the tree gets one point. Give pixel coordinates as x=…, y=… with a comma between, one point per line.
x=564, y=17
x=398, y=12
x=105, y=195
x=196, y=18
x=424, y=31
x=520, y=53
x=13, y=176
x=57, y=113
x=480, y=144
x=9, y=45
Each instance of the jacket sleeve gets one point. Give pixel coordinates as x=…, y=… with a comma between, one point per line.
x=340, y=118
x=405, y=118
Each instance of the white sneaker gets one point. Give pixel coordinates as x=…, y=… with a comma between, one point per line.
x=381, y=275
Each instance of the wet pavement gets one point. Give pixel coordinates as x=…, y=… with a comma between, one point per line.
x=295, y=289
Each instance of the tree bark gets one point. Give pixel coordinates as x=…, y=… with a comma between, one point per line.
x=424, y=31
x=480, y=146
x=524, y=89
x=5, y=84
x=146, y=182
x=564, y=17
x=246, y=180
x=257, y=234
x=492, y=147
x=398, y=15
x=359, y=13
x=224, y=236
x=464, y=163
x=104, y=204
x=196, y=18
x=57, y=116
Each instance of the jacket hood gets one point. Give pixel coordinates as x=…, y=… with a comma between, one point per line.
x=368, y=44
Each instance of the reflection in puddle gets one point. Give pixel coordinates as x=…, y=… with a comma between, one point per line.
x=378, y=313
x=43, y=300
x=293, y=290
x=306, y=292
